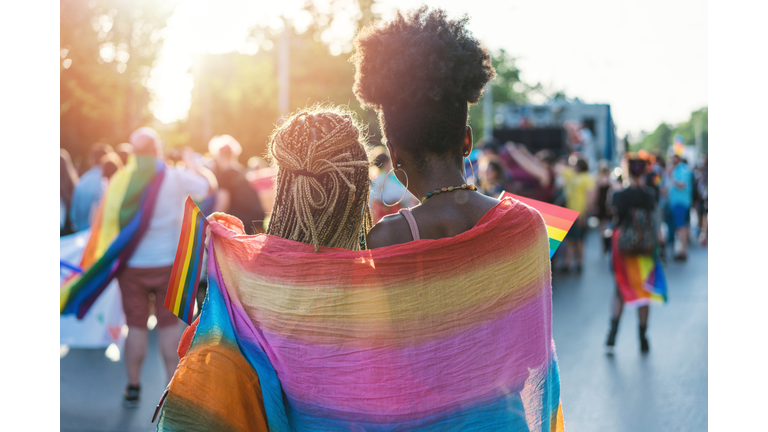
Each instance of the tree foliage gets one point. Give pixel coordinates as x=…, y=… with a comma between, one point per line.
x=660, y=140
x=237, y=94
x=507, y=87
x=107, y=50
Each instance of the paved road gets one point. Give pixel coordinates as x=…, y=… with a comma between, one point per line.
x=665, y=390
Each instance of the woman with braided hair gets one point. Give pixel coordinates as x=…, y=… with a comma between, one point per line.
x=322, y=186
x=322, y=183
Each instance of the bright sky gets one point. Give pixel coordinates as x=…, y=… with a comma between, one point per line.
x=647, y=59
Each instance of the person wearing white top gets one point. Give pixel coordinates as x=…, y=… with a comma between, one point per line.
x=148, y=270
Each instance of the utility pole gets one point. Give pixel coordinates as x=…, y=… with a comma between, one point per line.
x=283, y=72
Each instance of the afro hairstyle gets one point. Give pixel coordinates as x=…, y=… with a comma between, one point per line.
x=420, y=72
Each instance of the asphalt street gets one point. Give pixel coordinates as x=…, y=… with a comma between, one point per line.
x=664, y=390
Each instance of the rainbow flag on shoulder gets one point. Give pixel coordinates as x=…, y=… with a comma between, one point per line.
x=119, y=224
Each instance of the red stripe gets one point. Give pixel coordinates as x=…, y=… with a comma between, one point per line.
x=181, y=253
x=542, y=207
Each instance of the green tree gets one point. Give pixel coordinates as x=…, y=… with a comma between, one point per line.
x=507, y=87
x=236, y=94
x=660, y=140
x=107, y=50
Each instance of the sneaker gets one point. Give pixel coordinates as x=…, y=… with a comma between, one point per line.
x=131, y=397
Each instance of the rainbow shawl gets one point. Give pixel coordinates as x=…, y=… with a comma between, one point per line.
x=433, y=335
x=639, y=278
x=120, y=222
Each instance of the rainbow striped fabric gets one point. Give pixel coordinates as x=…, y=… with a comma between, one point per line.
x=120, y=222
x=639, y=278
x=433, y=335
x=182, y=288
x=558, y=219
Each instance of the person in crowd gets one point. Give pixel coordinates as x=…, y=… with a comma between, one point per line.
x=680, y=200
x=256, y=163
x=386, y=189
x=537, y=168
x=67, y=184
x=703, y=203
x=493, y=179
x=262, y=178
x=298, y=150
x=422, y=107
x=523, y=171
x=605, y=187
x=579, y=196
x=123, y=150
x=655, y=182
x=235, y=195
x=631, y=289
x=148, y=270
x=89, y=190
x=110, y=163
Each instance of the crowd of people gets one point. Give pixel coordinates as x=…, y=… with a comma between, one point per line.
x=568, y=180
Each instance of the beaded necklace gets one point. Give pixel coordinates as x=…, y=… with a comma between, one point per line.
x=448, y=189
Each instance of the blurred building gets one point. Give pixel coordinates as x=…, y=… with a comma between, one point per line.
x=560, y=125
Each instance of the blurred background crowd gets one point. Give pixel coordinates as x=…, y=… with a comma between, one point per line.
x=564, y=178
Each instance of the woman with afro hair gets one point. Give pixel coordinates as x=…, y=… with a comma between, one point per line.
x=420, y=72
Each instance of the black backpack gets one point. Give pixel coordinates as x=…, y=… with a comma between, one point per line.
x=637, y=235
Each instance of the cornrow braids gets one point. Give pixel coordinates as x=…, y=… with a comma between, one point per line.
x=323, y=184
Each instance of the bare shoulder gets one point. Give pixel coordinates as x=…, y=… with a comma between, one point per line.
x=390, y=230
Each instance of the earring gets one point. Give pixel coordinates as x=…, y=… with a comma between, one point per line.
x=465, y=169
x=385, y=181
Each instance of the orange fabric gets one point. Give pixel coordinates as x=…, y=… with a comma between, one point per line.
x=230, y=387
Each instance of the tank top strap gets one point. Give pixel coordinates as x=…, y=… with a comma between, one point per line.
x=411, y=222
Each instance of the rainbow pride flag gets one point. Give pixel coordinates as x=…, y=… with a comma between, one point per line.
x=415, y=336
x=558, y=219
x=639, y=278
x=119, y=224
x=182, y=288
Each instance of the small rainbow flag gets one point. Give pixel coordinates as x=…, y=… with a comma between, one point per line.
x=558, y=219
x=182, y=288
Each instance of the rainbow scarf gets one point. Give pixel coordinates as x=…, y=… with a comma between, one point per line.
x=120, y=222
x=639, y=278
x=434, y=335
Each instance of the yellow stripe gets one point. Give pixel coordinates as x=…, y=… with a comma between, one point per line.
x=556, y=233
x=64, y=294
x=328, y=312
x=180, y=289
x=113, y=200
x=645, y=263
